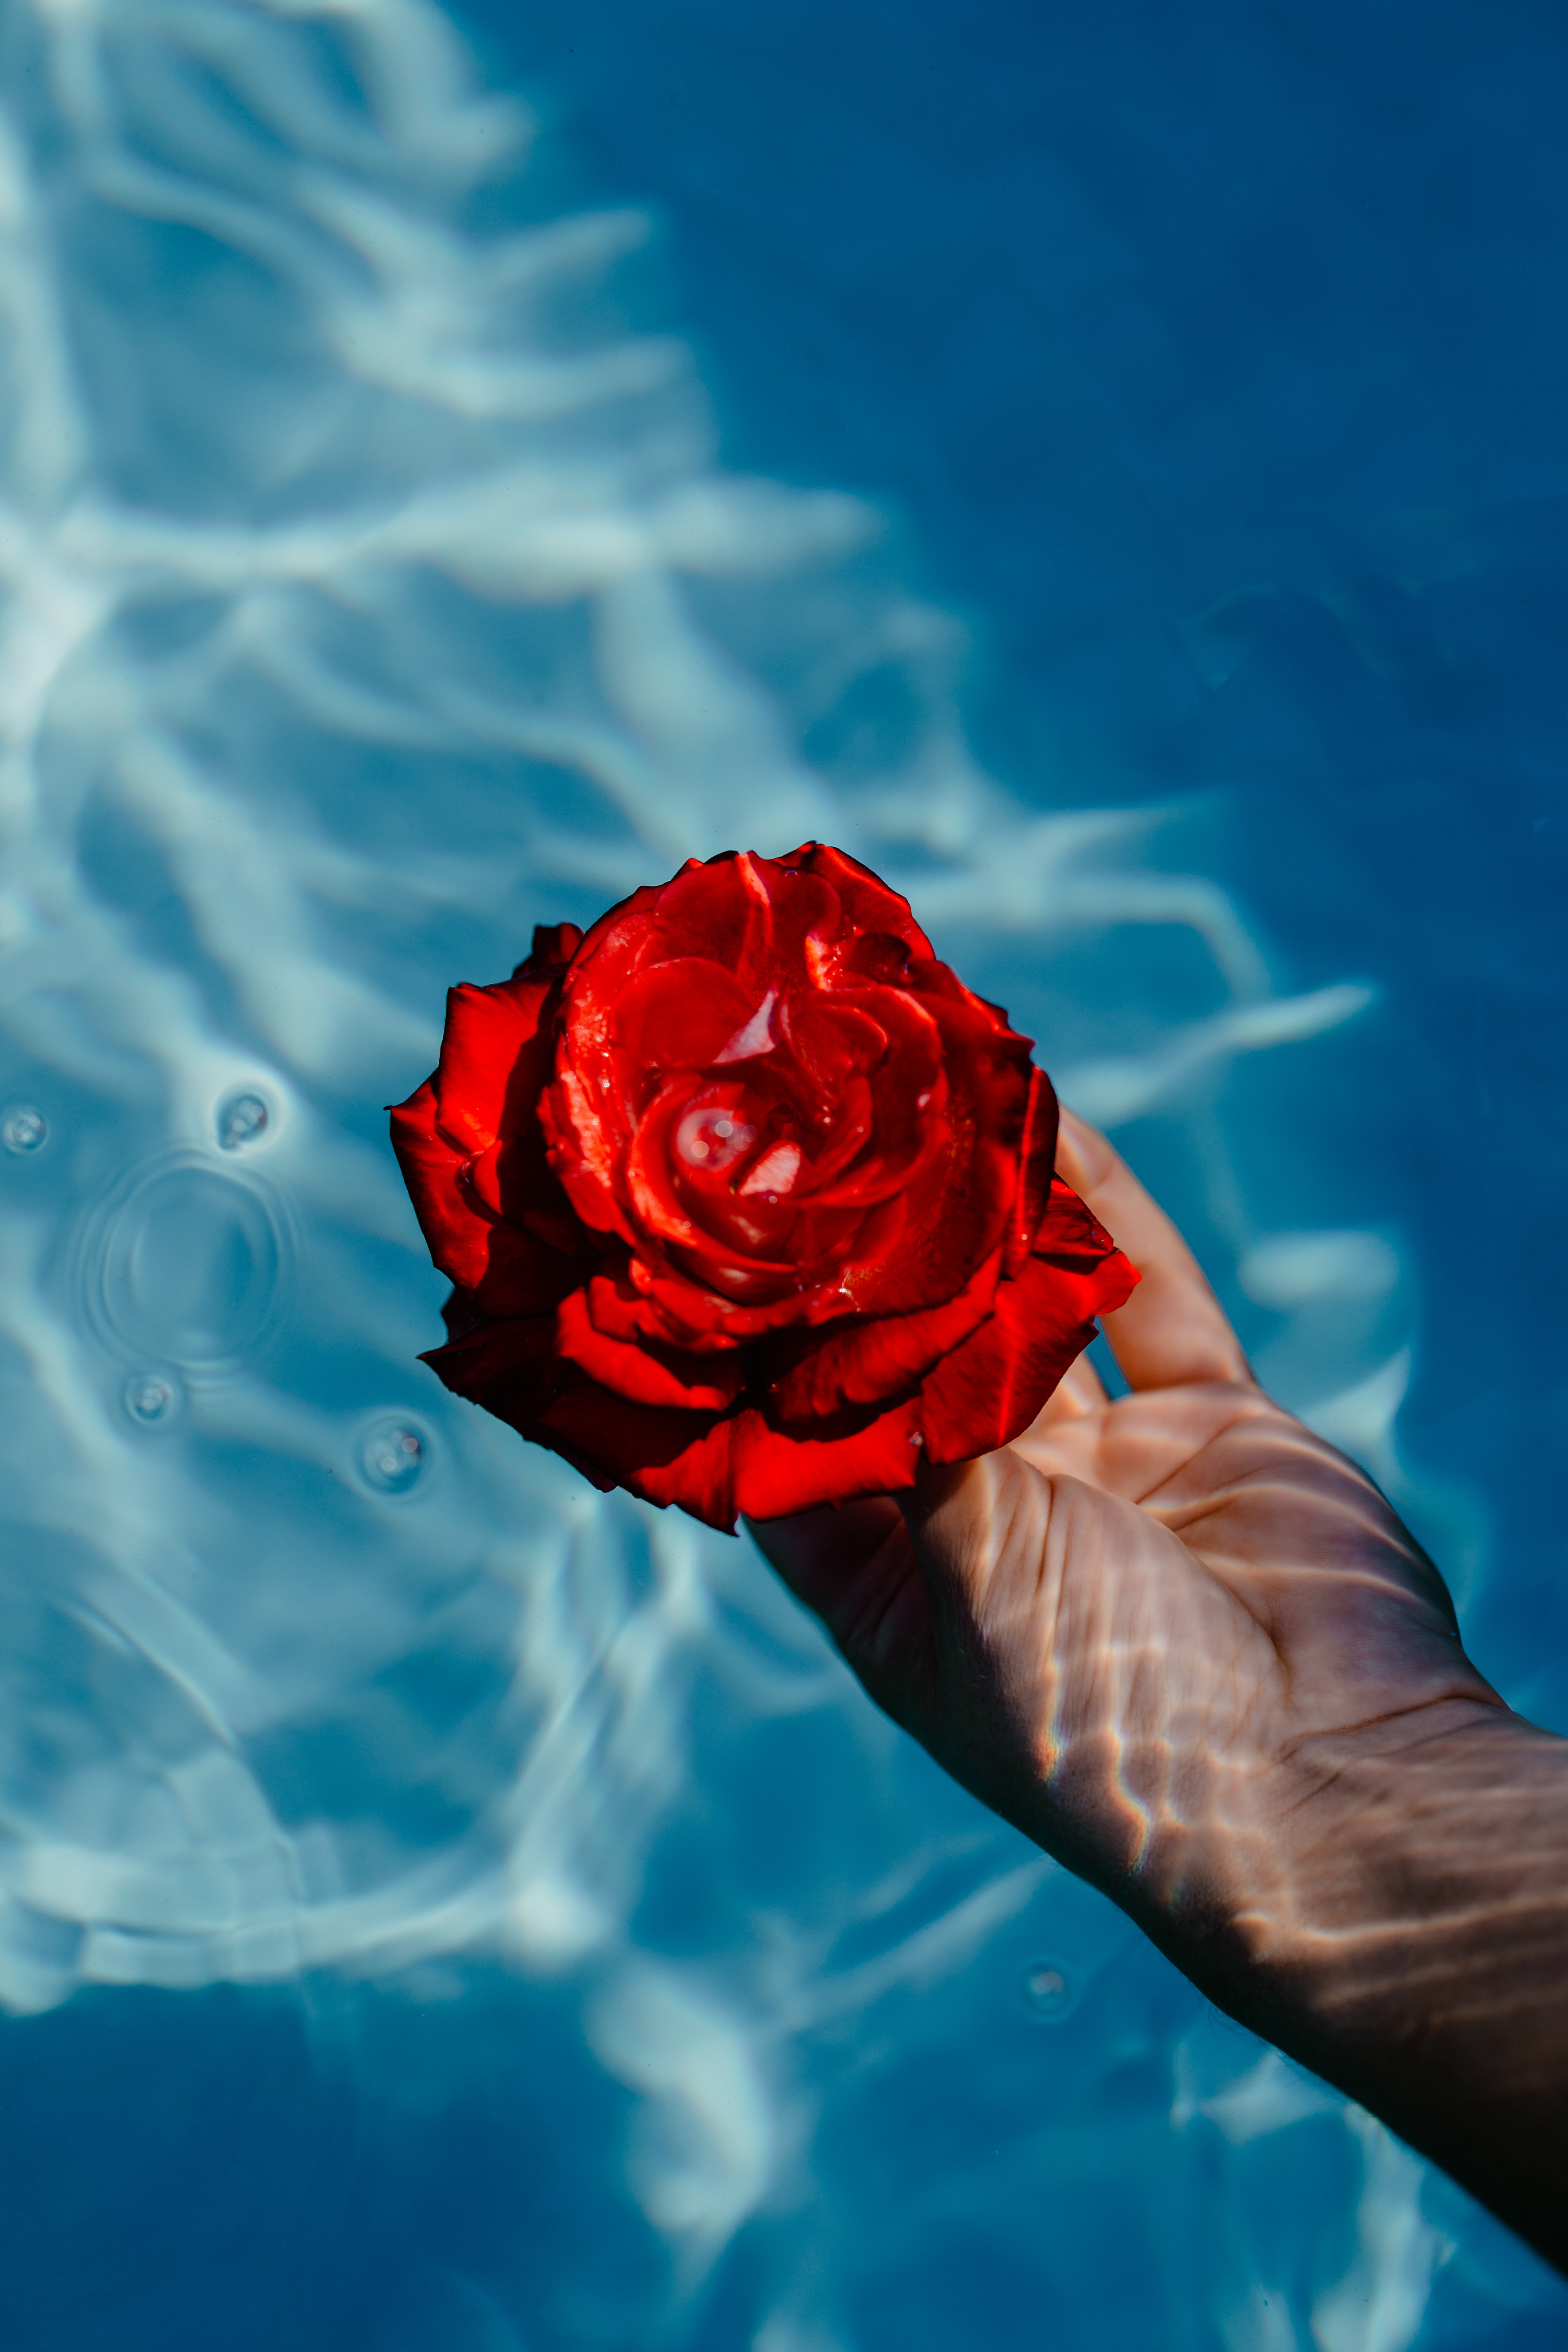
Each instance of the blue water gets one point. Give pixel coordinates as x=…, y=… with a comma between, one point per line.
x=1107, y=469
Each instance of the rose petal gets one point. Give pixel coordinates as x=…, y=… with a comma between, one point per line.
x=1037, y=1167
x=865, y=901
x=959, y=1202
x=431, y=1169
x=693, y=1316
x=646, y=1371
x=862, y=1361
x=717, y=1468
x=554, y=943
x=621, y=1311
x=494, y=1059
x=994, y=1382
x=1069, y=1233
x=777, y=1474
x=680, y=1015
x=507, y=1270
x=719, y=911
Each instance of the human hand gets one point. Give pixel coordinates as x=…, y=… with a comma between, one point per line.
x=1154, y=1632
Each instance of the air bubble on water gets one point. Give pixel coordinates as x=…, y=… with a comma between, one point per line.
x=241, y=1117
x=393, y=1455
x=23, y=1129
x=150, y=1398
x=1048, y=1993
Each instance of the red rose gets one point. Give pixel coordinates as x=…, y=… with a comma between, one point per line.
x=746, y=1199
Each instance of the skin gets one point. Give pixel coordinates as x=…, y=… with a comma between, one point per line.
x=1189, y=1649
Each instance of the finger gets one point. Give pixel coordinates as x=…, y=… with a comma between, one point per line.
x=1172, y=1328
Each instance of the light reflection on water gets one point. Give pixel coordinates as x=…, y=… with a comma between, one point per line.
x=371, y=594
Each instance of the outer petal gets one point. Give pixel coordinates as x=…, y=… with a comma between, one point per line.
x=989, y=1390
x=647, y=1372
x=737, y=1462
x=719, y=910
x=1036, y=1169
x=664, y=1455
x=869, y=1359
x=431, y=1167
x=1069, y=1233
x=554, y=943
x=867, y=905
x=507, y=1270
x=494, y=1061
x=777, y=1474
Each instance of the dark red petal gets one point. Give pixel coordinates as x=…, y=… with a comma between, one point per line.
x=581, y=1154
x=494, y=1059
x=554, y=943
x=804, y=920
x=862, y=1361
x=1069, y=1233
x=719, y=911
x=662, y=1454
x=431, y=1169
x=646, y=1371
x=488, y=1361
x=715, y=1469
x=1037, y=1160
x=907, y=1126
x=778, y=1473
x=515, y=1179
x=618, y=1308
x=994, y=1382
x=506, y=1270
x=695, y=1312
x=958, y=1204
x=866, y=903
x=876, y=956
x=681, y=1014
x=523, y=1275
x=836, y=1038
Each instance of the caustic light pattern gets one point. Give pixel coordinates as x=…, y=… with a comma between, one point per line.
x=371, y=595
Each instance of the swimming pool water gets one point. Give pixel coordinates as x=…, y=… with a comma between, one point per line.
x=1106, y=470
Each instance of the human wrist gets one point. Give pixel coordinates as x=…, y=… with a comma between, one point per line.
x=1395, y=1836
x=1411, y=1945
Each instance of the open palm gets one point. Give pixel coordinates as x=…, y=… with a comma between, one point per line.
x=1146, y=1631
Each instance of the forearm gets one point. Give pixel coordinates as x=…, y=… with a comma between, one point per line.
x=1416, y=1951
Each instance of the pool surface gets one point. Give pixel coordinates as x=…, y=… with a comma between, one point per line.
x=1106, y=469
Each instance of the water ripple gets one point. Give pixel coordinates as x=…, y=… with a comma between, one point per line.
x=370, y=594
x=188, y=1264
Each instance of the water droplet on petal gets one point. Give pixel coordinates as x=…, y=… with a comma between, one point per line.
x=23, y=1129
x=241, y=1117
x=707, y=1138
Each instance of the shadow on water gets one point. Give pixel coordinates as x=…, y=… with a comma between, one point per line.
x=438, y=1906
